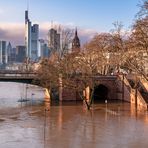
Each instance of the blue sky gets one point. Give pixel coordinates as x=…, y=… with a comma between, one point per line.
x=97, y=15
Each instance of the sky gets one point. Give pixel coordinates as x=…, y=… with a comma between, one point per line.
x=89, y=16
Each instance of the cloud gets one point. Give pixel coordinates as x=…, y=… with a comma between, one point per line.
x=15, y=32
x=86, y=35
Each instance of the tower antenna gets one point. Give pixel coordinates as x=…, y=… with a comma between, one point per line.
x=27, y=5
x=51, y=24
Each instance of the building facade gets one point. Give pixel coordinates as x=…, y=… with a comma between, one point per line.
x=34, y=41
x=11, y=53
x=54, y=40
x=44, y=50
x=20, y=53
x=3, y=52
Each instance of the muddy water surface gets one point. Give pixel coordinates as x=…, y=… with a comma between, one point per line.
x=41, y=125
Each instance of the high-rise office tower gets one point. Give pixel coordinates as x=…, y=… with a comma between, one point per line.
x=34, y=41
x=54, y=40
x=31, y=38
x=44, y=50
x=3, y=52
x=11, y=53
x=20, y=53
x=27, y=35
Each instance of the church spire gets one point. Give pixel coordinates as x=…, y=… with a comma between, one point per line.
x=76, y=34
x=76, y=42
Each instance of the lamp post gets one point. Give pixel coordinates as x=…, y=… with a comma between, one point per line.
x=45, y=111
x=106, y=109
x=123, y=77
x=26, y=92
x=32, y=98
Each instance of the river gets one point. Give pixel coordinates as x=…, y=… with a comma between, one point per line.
x=40, y=124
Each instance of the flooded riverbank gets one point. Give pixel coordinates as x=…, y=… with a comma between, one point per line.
x=70, y=125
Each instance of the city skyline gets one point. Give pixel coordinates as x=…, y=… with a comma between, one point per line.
x=89, y=17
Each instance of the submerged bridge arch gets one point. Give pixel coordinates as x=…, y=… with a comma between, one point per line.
x=105, y=88
x=101, y=93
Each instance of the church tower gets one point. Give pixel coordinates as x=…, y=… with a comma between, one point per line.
x=76, y=43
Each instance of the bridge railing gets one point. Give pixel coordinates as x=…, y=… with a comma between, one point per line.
x=126, y=82
x=144, y=83
x=16, y=74
x=140, y=100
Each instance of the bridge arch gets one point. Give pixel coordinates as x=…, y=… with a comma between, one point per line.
x=101, y=93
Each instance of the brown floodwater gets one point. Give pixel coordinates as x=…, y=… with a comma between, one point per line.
x=70, y=125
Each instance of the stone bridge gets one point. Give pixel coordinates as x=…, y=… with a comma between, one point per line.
x=106, y=87
x=109, y=88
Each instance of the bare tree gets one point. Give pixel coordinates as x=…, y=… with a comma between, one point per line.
x=48, y=73
x=118, y=46
x=137, y=55
x=143, y=12
x=97, y=51
x=66, y=40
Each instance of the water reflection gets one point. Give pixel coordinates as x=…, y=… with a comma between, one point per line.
x=70, y=125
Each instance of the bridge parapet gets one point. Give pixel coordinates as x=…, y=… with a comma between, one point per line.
x=17, y=76
x=105, y=77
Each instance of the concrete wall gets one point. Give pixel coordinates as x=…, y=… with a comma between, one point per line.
x=20, y=90
x=68, y=95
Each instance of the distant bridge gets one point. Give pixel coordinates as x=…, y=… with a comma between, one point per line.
x=17, y=76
